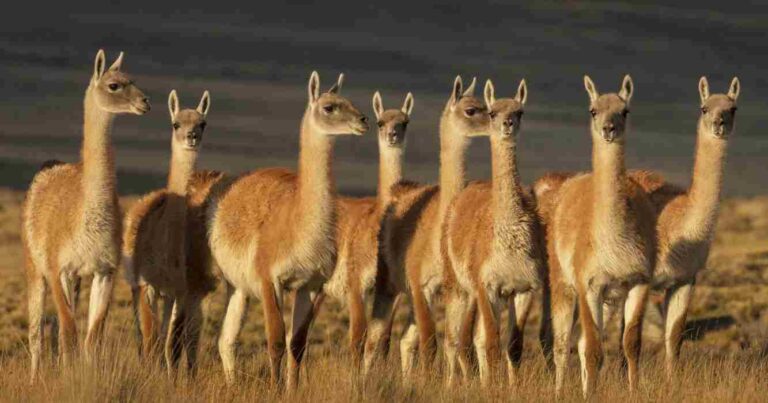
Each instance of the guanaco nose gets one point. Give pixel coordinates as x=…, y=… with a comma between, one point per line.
x=609, y=132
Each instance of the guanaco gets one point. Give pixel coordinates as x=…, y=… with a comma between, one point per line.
x=274, y=230
x=71, y=218
x=601, y=243
x=156, y=246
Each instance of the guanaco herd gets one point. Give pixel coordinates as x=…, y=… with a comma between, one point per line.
x=591, y=243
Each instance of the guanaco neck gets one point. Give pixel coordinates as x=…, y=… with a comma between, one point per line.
x=704, y=193
x=175, y=215
x=506, y=190
x=453, y=145
x=610, y=200
x=390, y=172
x=315, y=178
x=98, y=160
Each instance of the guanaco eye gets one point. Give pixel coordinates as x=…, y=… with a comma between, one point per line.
x=404, y=125
x=593, y=112
x=492, y=114
x=176, y=125
x=625, y=112
x=733, y=110
x=520, y=114
x=380, y=123
x=328, y=108
x=704, y=110
x=470, y=111
x=202, y=125
x=113, y=87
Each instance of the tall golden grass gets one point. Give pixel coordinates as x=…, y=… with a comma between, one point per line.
x=726, y=360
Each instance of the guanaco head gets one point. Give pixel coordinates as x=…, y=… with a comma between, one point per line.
x=609, y=111
x=114, y=91
x=465, y=113
x=393, y=122
x=330, y=113
x=506, y=114
x=718, y=111
x=188, y=124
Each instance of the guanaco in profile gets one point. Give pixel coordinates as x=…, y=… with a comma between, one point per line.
x=601, y=243
x=359, y=222
x=71, y=218
x=157, y=243
x=492, y=242
x=413, y=226
x=686, y=219
x=274, y=230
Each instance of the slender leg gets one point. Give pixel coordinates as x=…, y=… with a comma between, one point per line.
x=456, y=307
x=422, y=304
x=487, y=337
x=563, y=305
x=275, y=328
x=230, y=330
x=357, y=323
x=409, y=344
x=66, y=319
x=590, y=346
x=677, y=301
x=546, y=336
x=519, y=308
x=147, y=324
x=36, y=304
x=379, y=328
x=192, y=330
x=301, y=320
x=174, y=335
x=634, y=308
x=98, y=306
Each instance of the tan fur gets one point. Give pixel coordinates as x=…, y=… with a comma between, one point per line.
x=413, y=226
x=274, y=229
x=601, y=243
x=359, y=219
x=71, y=219
x=492, y=242
x=160, y=229
x=686, y=219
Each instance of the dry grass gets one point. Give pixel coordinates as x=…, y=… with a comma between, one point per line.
x=725, y=361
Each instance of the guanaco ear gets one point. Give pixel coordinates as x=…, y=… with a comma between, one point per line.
x=313, y=88
x=378, y=108
x=591, y=89
x=408, y=104
x=117, y=63
x=337, y=87
x=627, y=87
x=98, y=65
x=457, y=90
x=733, y=91
x=205, y=104
x=522, y=92
x=703, y=89
x=471, y=89
x=173, y=104
x=489, y=94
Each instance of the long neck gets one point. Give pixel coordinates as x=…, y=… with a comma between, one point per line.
x=704, y=194
x=390, y=172
x=453, y=145
x=608, y=182
x=175, y=215
x=316, y=185
x=182, y=168
x=506, y=190
x=99, y=181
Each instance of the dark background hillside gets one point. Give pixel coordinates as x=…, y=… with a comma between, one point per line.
x=256, y=57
